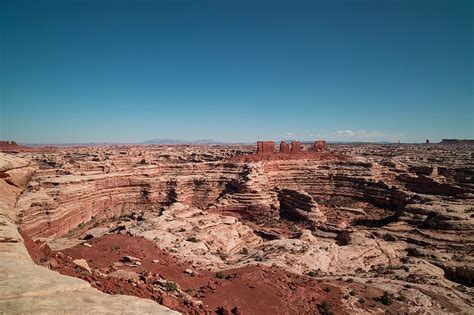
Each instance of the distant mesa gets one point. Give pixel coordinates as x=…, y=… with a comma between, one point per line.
x=8, y=144
x=457, y=141
x=11, y=146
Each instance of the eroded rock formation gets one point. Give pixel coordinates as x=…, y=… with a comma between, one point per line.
x=319, y=146
x=295, y=147
x=265, y=147
x=284, y=147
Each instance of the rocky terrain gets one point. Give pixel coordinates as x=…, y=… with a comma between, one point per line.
x=345, y=229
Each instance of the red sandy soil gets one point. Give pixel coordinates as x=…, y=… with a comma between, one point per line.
x=253, y=289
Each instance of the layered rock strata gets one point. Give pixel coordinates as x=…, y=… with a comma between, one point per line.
x=28, y=288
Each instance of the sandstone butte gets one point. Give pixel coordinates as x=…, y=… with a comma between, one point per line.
x=302, y=229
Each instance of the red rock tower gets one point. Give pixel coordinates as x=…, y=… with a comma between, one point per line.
x=284, y=147
x=295, y=147
x=319, y=146
x=265, y=147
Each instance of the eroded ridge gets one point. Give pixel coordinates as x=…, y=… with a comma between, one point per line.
x=352, y=228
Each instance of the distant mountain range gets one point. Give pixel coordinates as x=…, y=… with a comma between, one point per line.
x=178, y=141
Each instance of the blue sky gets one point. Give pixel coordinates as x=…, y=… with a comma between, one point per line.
x=129, y=71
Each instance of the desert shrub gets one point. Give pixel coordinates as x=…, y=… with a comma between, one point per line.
x=244, y=251
x=325, y=308
x=192, y=239
x=220, y=275
x=43, y=259
x=327, y=289
x=221, y=255
x=380, y=269
x=386, y=298
x=115, y=247
x=170, y=286
x=182, y=229
x=313, y=273
x=145, y=192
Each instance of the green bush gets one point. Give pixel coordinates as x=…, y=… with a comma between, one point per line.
x=170, y=286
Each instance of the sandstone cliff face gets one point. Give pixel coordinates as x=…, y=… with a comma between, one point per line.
x=28, y=288
x=57, y=204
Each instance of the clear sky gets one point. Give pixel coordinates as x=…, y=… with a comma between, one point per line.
x=129, y=71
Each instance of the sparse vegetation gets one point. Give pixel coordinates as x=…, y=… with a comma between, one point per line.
x=244, y=251
x=380, y=269
x=182, y=229
x=221, y=255
x=313, y=273
x=192, y=239
x=327, y=289
x=220, y=275
x=386, y=298
x=145, y=192
x=116, y=248
x=170, y=286
x=43, y=259
x=325, y=308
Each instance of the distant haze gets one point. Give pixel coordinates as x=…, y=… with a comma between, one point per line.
x=236, y=71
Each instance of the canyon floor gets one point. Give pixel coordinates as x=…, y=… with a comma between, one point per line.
x=357, y=229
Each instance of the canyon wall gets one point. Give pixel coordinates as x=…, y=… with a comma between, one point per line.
x=28, y=288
